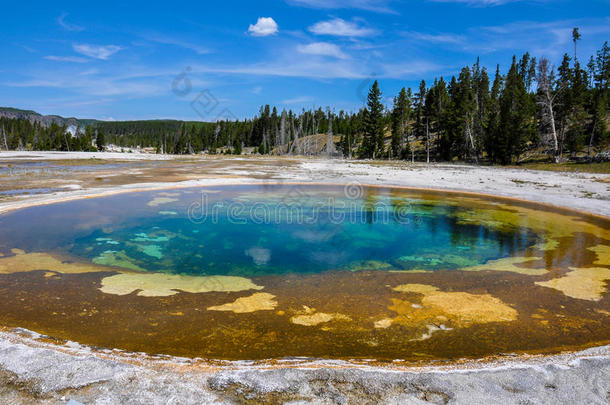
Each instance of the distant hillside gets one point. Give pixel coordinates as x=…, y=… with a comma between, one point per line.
x=316, y=144
x=45, y=120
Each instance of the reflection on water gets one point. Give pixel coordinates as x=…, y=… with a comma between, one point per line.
x=244, y=232
x=272, y=271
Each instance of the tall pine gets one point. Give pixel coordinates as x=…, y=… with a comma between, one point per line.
x=514, y=118
x=400, y=121
x=372, y=143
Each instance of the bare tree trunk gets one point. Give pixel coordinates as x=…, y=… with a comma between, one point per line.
x=427, y=143
x=553, y=129
x=545, y=83
x=329, y=144
x=563, y=132
x=471, y=139
x=4, y=135
x=412, y=152
x=591, y=138
x=549, y=105
x=349, y=146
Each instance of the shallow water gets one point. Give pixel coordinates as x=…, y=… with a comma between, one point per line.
x=246, y=272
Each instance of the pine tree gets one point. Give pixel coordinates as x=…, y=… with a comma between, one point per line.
x=601, y=96
x=575, y=38
x=100, y=141
x=564, y=99
x=437, y=102
x=602, y=73
x=372, y=144
x=400, y=121
x=482, y=100
x=450, y=119
x=419, y=105
x=463, y=98
x=514, y=125
x=578, y=116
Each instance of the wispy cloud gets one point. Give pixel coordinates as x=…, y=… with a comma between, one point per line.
x=379, y=6
x=342, y=28
x=61, y=20
x=168, y=40
x=444, y=38
x=135, y=83
x=294, y=67
x=102, y=52
x=98, y=86
x=549, y=39
x=27, y=48
x=265, y=26
x=323, y=49
x=410, y=70
x=74, y=59
x=298, y=100
x=484, y=3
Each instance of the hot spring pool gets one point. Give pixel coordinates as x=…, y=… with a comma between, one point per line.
x=270, y=271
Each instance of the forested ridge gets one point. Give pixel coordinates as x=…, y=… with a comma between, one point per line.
x=475, y=116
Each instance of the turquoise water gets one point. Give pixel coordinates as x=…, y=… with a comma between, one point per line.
x=260, y=230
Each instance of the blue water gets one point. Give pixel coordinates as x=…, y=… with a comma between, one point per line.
x=253, y=231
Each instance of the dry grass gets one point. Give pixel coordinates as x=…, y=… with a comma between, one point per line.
x=601, y=168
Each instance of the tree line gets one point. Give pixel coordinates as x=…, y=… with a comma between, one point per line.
x=532, y=107
x=23, y=134
x=468, y=119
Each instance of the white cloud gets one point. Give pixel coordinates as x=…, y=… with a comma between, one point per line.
x=96, y=51
x=74, y=59
x=341, y=28
x=264, y=26
x=323, y=49
x=61, y=20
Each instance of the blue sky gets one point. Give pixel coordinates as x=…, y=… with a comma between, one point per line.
x=217, y=59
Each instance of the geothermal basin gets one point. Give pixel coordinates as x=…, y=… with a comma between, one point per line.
x=249, y=272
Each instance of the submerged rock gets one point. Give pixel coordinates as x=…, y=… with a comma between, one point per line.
x=162, y=285
x=585, y=284
x=117, y=259
x=22, y=261
x=155, y=202
x=461, y=309
x=253, y=303
x=318, y=318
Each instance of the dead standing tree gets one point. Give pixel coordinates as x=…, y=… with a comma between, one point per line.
x=4, y=136
x=546, y=98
